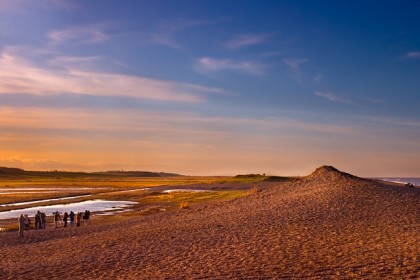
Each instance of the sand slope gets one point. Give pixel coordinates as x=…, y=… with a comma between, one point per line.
x=328, y=225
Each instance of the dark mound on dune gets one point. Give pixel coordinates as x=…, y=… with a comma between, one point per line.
x=326, y=173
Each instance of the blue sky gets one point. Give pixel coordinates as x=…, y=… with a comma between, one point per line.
x=211, y=87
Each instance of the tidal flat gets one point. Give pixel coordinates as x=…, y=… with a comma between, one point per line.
x=103, y=196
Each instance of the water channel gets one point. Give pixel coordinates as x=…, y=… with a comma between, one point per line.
x=95, y=205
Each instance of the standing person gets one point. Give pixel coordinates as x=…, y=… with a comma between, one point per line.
x=21, y=225
x=56, y=218
x=27, y=222
x=71, y=218
x=43, y=220
x=60, y=219
x=37, y=220
x=65, y=216
x=86, y=216
x=78, y=218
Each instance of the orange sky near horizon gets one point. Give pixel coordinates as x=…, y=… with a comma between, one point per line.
x=100, y=140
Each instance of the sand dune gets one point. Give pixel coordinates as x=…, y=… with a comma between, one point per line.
x=328, y=225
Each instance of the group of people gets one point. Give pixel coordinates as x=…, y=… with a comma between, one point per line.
x=25, y=222
x=40, y=220
x=73, y=217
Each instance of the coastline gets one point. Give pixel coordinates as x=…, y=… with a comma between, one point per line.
x=401, y=180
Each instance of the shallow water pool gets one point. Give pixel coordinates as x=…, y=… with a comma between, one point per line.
x=42, y=200
x=91, y=205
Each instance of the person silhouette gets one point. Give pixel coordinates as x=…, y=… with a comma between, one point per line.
x=21, y=225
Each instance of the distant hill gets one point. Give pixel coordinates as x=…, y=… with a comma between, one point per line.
x=138, y=174
x=17, y=173
x=7, y=170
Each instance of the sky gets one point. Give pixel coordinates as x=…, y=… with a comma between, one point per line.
x=211, y=87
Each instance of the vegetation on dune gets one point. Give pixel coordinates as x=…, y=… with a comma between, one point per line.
x=255, y=178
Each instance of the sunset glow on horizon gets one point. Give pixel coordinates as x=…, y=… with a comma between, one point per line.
x=210, y=87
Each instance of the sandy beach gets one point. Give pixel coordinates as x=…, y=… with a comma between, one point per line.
x=328, y=225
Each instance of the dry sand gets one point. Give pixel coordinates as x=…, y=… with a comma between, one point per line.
x=329, y=225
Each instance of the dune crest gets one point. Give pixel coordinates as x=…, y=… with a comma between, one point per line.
x=327, y=173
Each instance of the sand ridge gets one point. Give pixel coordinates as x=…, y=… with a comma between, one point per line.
x=328, y=225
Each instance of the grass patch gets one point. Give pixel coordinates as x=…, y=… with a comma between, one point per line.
x=253, y=190
x=183, y=205
x=254, y=178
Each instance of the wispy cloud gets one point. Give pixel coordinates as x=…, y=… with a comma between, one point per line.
x=395, y=121
x=206, y=65
x=413, y=55
x=99, y=120
x=162, y=39
x=167, y=31
x=294, y=63
x=246, y=40
x=18, y=75
x=105, y=31
x=73, y=61
x=333, y=97
x=180, y=25
x=91, y=34
x=30, y=138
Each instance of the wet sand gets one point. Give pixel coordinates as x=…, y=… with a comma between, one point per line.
x=328, y=225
